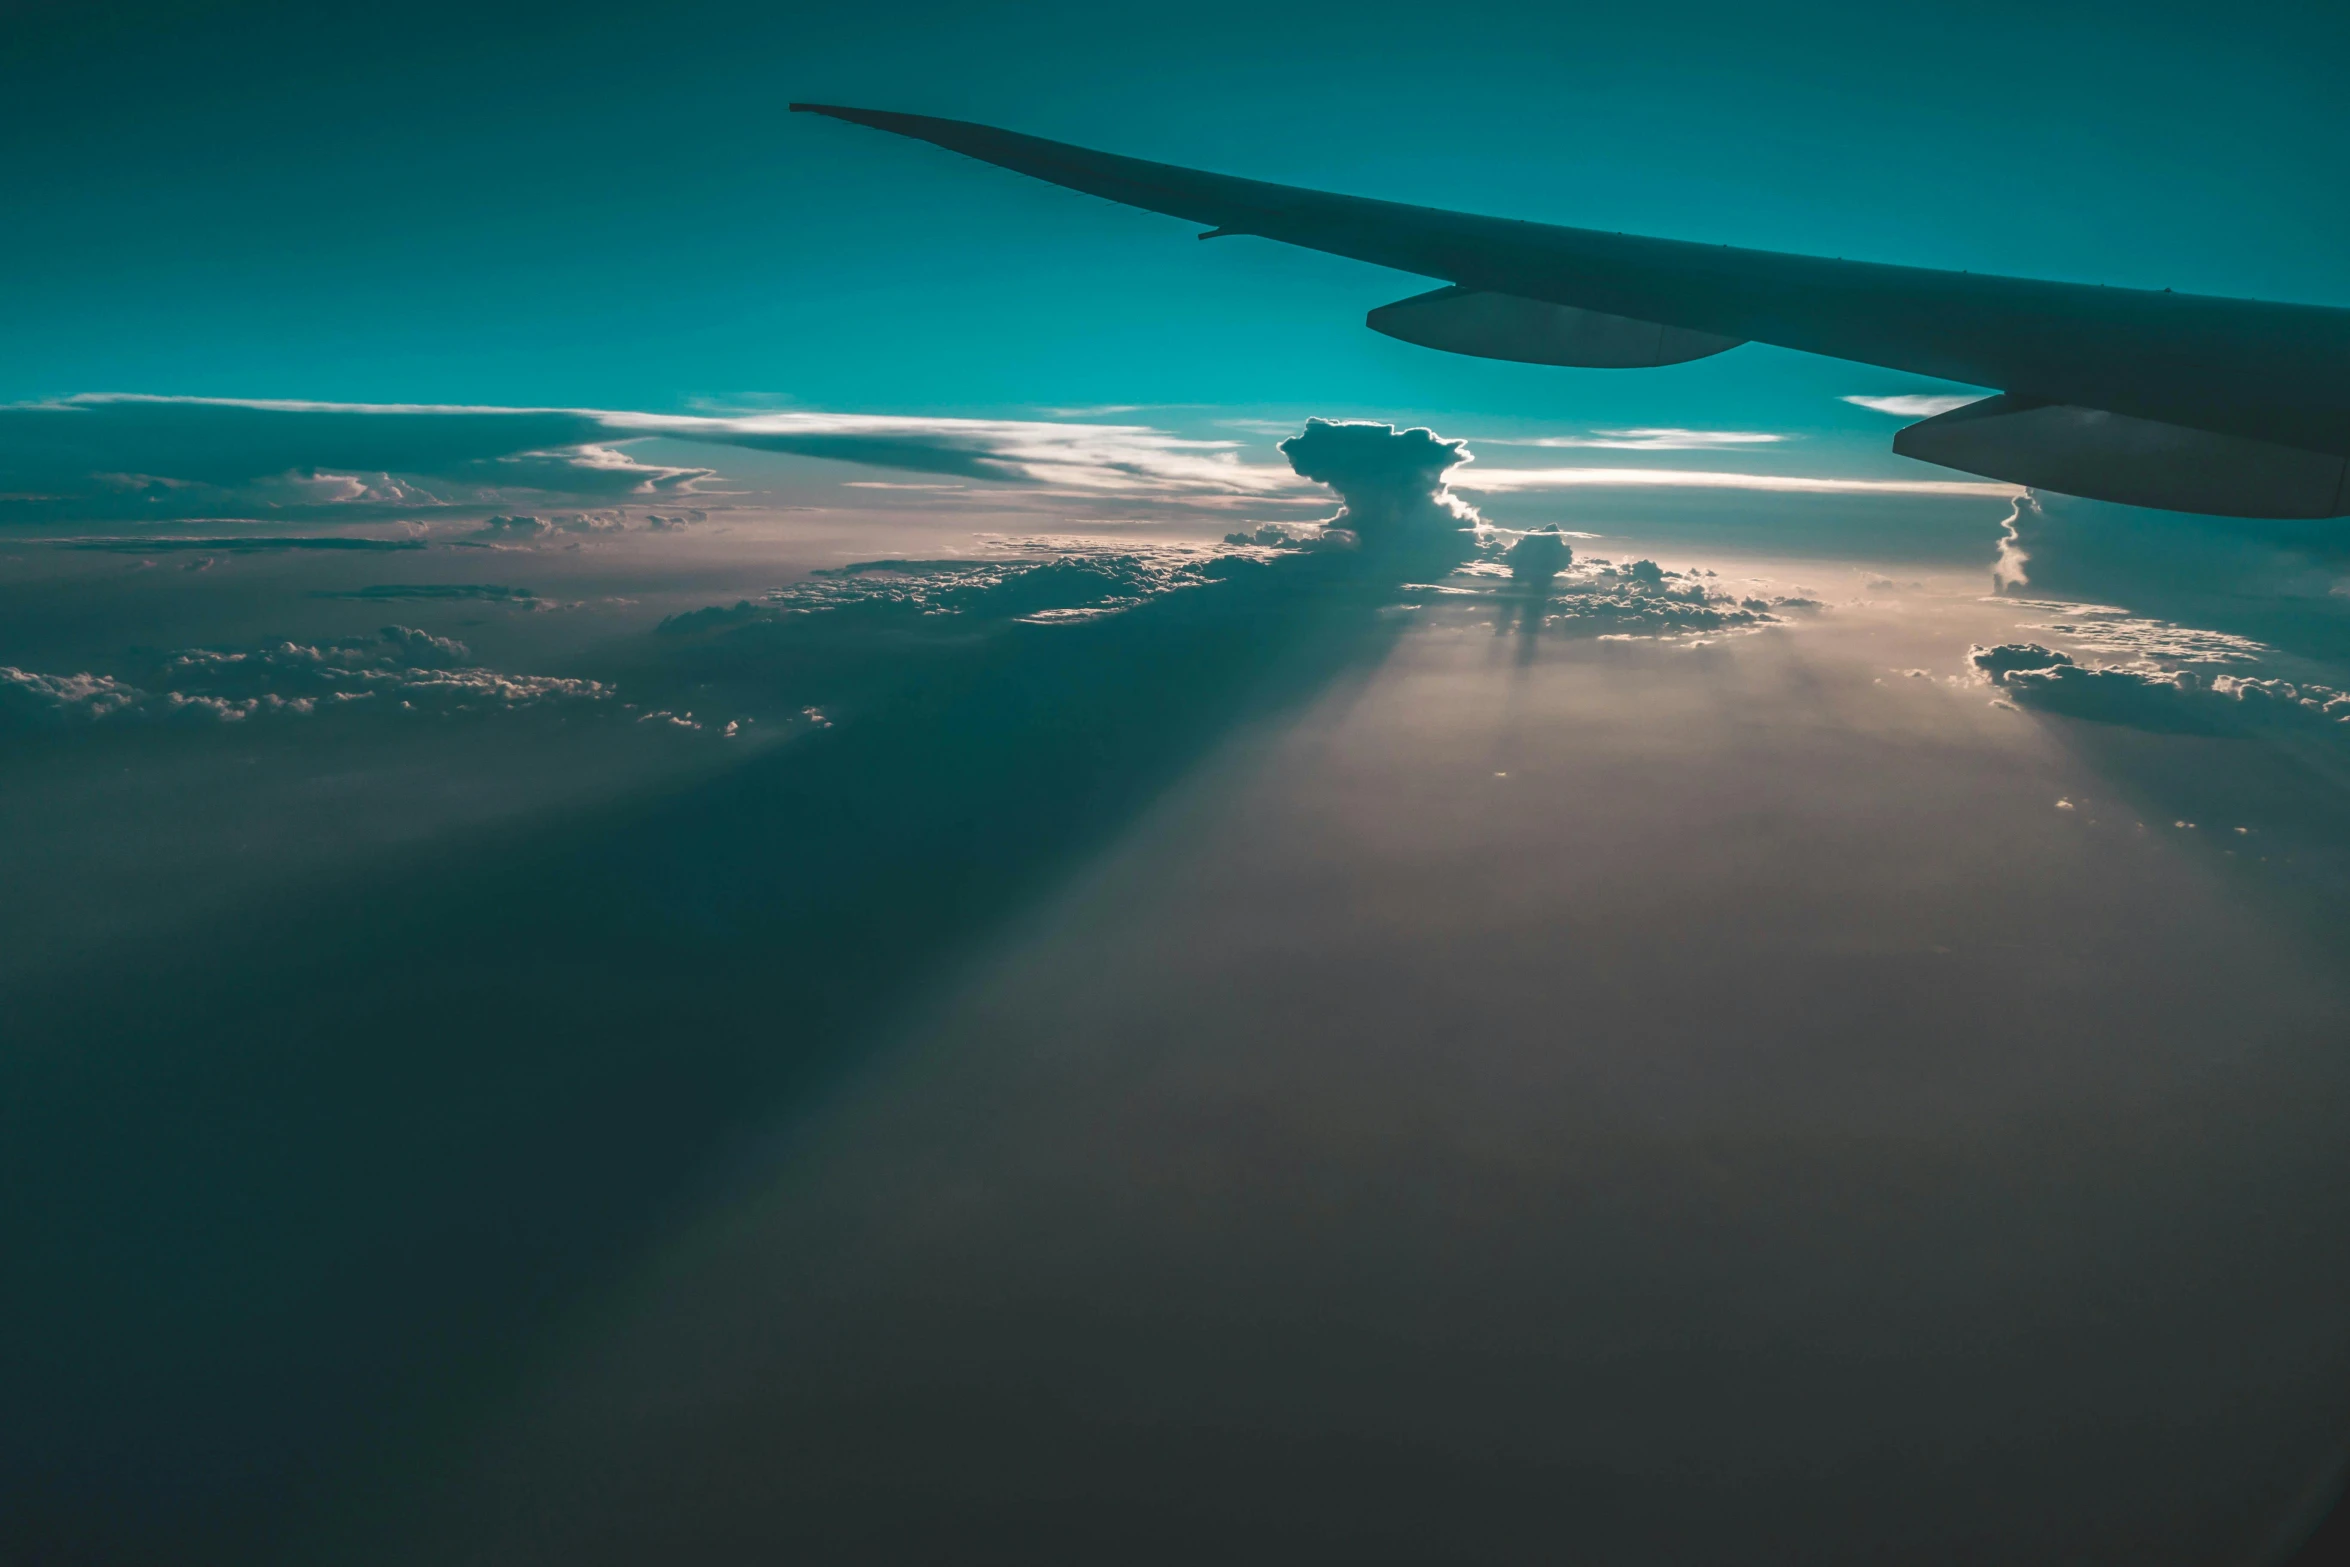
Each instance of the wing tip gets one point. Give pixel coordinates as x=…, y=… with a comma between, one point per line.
x=879, y=119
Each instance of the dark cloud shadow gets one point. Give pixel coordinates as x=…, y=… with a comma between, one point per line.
x=288, y=1195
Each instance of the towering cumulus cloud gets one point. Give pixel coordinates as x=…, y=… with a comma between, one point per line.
x=1391, y=481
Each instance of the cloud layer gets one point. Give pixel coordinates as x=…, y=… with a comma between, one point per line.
x=1042, y=584
x=1540, y=585
x=401, y=670
x=125, y=457
x=155, y=456
x=2181, y=701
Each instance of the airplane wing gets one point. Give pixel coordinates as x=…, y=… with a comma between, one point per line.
x=2180, y=401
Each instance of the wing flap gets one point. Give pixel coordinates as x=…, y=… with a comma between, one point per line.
x=1536, y=332
x=2138, y=462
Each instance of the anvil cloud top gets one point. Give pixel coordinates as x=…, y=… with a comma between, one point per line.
x=2190, y=403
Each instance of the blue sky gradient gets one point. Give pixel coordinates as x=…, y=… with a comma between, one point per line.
x=581, y=205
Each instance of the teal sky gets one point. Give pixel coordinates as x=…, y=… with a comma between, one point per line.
x=604, y=206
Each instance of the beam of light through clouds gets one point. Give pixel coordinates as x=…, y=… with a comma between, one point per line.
x=806, y=758
x=729, y=845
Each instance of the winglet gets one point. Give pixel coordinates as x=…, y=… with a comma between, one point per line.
x=1214, y=199
x=879, y=119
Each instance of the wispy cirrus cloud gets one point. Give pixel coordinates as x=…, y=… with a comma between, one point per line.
x=167, y=456
x=1916, y=405
x=1658, y=438
x=1505, y=480
x=2104, y=628
x=1104, y=459
x=136, y=456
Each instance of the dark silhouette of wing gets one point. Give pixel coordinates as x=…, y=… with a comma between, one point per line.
x=2157, y=399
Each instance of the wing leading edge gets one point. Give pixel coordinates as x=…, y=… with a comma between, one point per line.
x=2156, y=399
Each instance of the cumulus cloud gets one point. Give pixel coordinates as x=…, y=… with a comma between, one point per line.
x=1392, y=482
x=521, y=526
x=1291, y=536
x=423, y=650
x=402, y=669
x=1399, y=539
x=1397, y=507
x=1539, y=556
x=1538, y=584
x=1642, y=598
x=28, y=699
x=2142, y=696
x=1916, y=405
x=525, y=528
